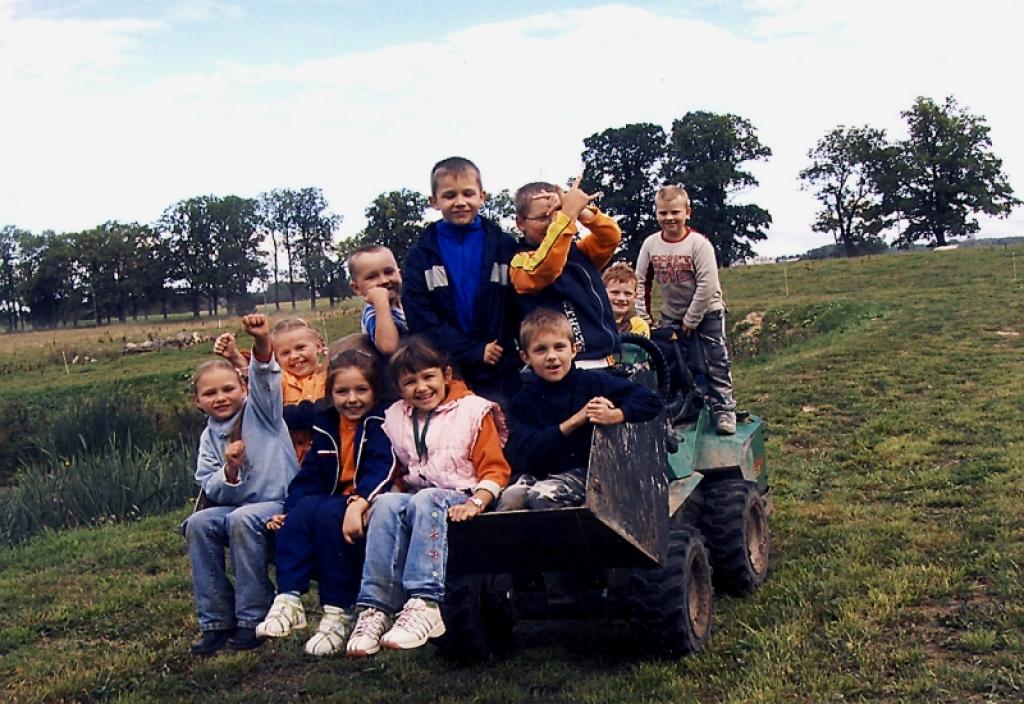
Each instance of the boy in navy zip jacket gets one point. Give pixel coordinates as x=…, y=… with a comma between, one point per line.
x=320, y=535
x=456, y=289
x=551, y=421
x=552, y=270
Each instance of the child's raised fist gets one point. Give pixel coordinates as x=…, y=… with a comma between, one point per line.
x=256, y=324
x=224, y=345
x=377, y=297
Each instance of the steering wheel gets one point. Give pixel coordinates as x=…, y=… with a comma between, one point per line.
x=654, y=356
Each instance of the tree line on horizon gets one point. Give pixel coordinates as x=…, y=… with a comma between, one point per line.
x=205, y=252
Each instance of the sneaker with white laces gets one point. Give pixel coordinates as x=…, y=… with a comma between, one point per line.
x=725, y=423
x=286, y=614
x=332, y=633
x=365, y=639
x=416, y=624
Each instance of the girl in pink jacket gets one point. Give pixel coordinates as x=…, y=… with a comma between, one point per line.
x=450, y=440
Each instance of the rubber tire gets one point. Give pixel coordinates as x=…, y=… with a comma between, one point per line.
x=735, y=526
x=673, y=604
x=478, y=618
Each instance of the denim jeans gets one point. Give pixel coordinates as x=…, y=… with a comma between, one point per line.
x=407, y=548
x=240, y=529
x=310, y=545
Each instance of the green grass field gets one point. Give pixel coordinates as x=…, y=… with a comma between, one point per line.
x=893, y=388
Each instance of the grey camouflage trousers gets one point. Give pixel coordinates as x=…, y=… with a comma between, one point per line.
x=556, y=491
x=706, y=352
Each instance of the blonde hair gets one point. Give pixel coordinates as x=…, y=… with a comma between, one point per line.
x=543, y=320
x=673, y=191
x=619, y=271
x=208, y=366
x=365, y=249
x=286, y=324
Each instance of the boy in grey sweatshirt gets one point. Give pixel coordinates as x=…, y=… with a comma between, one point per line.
x=683, y=263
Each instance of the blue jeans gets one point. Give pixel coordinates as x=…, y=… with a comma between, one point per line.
x=407, y=548
x=310, y=545
x=240, y=529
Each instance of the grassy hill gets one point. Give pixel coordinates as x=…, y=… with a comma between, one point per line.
x=894, y=392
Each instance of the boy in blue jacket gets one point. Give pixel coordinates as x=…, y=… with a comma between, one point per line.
x=456, y=289
x=551, y=421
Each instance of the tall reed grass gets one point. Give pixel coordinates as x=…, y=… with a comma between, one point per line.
x=121, y=482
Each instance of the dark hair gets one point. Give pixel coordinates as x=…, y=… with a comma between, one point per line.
x=524, y=196
x=415, y=354
x=365, y=362
x=453, y=165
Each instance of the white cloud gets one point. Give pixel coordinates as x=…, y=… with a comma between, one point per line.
x=203, y=10
x=518, y=97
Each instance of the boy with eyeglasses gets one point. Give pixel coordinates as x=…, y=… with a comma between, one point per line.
x=554, y=270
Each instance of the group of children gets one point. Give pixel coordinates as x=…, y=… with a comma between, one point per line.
x=356, y=458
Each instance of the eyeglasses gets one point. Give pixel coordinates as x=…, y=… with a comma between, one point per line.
x=543, y=218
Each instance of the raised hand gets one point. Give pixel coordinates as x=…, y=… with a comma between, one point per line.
x=224, y=346
x=234, y=456
x=258, y=325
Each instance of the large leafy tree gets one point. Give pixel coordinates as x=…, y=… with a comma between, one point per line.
x=946, y=173
x=706, y=154
x=624, y=162
x=98, y=255
x=146, y=268
x=191, y=247
x=239, y=259
x=846, y=166
x=316, y=227
x=500, y=208
x=298, y=221
x=394, y=220
x=274, y=223
x=49, y=286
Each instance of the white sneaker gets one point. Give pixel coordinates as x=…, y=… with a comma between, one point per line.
x=365, y=639
x=417, y=623
x=332, y=632
x=286, y=613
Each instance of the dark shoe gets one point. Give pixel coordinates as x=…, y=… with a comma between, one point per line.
x=244, y=639
x=211, y=642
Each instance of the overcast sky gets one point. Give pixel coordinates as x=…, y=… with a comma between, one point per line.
x=113, y=110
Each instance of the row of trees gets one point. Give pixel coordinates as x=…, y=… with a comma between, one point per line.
x=206, y=251
x=928, y=187
x=202, y=253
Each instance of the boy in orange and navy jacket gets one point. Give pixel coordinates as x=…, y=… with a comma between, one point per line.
x=553, y=270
